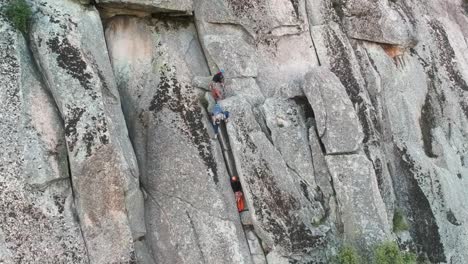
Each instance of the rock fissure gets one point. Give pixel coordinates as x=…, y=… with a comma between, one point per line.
x=197, y=238
x=74, y=210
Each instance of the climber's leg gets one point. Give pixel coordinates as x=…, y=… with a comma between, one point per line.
x=216, y=129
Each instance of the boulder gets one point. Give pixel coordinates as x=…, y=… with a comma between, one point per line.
x=337, y=122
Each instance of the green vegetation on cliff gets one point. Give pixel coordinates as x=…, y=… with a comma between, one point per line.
x=19, y=12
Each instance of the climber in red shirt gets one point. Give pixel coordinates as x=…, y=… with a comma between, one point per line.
x=216, y=85
x=236, y=187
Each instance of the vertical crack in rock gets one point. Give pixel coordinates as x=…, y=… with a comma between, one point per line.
x=427, y=123
x=340, y=64
x=295, y=4
x=311, y=37
x=75, y=214
x=197, y=238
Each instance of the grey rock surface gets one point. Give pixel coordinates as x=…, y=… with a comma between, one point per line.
x=334, y=112
x=379, y=21
x=190, y=209
x=282, y=207
x=361, y=207
x=343, y=113
x=37, y=221
x=66, y=40
x=255, y=247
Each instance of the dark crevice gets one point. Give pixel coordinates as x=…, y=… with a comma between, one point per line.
x=309, y=114
x=227, y=152
x=378, y=169
x=427, y=123
x=295, y=4
x=338, y=6
x=224, y=142
x=225, y=145
x=303, y=102
x=423, y=226
x=260, y=118
x=452, y=219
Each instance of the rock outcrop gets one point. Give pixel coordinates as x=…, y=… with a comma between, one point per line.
x=345, y=114
x=37, y=205
x=64, y=40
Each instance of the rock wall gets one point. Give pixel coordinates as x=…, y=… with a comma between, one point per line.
x=343, y=113
x=37, y=208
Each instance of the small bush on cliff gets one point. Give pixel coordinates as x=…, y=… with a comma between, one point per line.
x=347, y=255
x=19, y=12
x=399, y=222
x=389, y=253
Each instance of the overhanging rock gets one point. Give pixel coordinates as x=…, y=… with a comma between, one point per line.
x=149, y=6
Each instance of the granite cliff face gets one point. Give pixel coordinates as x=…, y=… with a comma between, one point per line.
x=346, y=114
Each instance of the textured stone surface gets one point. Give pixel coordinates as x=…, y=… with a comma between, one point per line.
x=361, y=208
x=37, y=222
x=256, y=250
x=286, y=121
x=430, y=153
x=190, y=209
x=343, y=112
x=66, y=40
x=334, y=113
x=378, y=21
x=282, y=207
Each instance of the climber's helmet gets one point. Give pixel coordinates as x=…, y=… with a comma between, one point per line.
x=221, y=71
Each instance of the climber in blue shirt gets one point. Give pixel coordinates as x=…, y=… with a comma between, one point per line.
x=217, y=116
